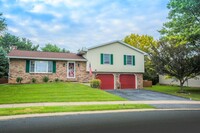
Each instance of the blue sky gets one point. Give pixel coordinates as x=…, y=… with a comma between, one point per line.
x=73, y=24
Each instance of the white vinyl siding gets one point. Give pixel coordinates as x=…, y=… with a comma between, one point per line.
x=118, y=51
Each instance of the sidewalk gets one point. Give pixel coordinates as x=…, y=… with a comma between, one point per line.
x=168, y=102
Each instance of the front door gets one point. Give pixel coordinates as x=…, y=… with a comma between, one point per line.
x=71, y=70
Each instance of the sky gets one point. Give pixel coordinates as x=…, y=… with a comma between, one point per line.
x=73, y=24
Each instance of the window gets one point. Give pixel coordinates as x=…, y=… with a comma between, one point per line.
x=107, y=59
x=41, y=66
x=71, y=70
x=129, y=60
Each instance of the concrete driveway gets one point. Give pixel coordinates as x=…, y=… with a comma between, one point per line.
x=143, y=95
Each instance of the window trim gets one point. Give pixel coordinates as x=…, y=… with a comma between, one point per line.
x=35, y=67
x=74, y=69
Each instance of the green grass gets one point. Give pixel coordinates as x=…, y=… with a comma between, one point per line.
x=193, y=93
x=51, y=109
x=52, y=92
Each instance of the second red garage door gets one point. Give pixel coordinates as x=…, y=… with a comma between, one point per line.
x=127, y=81
x=107, y=81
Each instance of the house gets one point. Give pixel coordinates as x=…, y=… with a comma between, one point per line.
x=194, y=82
x=116, y=64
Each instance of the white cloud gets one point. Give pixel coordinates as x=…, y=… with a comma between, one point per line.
x=81, y=23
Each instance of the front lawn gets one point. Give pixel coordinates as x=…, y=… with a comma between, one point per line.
x=53, y=92
x=193, y=93
x=51, y=109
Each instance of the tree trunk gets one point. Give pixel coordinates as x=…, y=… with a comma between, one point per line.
x=181, y=86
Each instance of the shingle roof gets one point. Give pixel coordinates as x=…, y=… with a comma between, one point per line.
x=22, y=54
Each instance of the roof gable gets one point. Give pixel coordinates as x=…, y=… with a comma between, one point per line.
x=120, y=42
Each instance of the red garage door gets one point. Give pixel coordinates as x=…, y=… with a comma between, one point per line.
x=127, y=81
x=107, y=81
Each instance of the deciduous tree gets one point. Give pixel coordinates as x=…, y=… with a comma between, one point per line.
x=8, y=40
x=181, y=62
x=53, y=48
x=183, y=22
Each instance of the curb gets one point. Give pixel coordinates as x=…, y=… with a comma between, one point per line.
x=90, y=112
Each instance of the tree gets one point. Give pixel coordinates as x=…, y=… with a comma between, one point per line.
x=8, y=40
x=53, y=48
x=180, y=62
x=3, y=63
x=144, y=42
x=65, y=51
x=2, y=23
x=184, y=22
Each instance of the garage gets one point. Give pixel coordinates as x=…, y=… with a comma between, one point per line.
x=127, y=81
x=107, y=81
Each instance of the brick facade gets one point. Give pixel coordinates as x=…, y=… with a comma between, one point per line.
x=18, y=66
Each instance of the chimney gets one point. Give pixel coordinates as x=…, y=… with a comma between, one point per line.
x=13, y=48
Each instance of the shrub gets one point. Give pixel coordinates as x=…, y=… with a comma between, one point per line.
x=33, y=80
x=95, y=83
x=19, y=79
x=56, y=80
x=45, y=79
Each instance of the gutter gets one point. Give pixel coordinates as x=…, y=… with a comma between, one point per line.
x=62, y=59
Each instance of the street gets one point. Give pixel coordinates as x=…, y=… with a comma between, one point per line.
x=124, y=122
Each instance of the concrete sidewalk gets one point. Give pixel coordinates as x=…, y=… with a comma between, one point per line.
x=163, y=102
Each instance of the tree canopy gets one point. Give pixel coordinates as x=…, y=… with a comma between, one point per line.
x=2, y=23
x=3, y=63
x=143, y=42
x=184, y=22
x=181, y=62
x=8, y=40
x=53, y=48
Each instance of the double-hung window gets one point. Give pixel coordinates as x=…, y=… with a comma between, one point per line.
x=129, y=60
x=41, y=66
x=107, y=59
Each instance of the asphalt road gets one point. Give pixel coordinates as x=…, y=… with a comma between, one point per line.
x=126, y=122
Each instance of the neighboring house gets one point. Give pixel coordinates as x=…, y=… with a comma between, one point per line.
x=116, y=64
x=194, y=82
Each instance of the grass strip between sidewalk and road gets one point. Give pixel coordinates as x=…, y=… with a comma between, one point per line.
x=74, y=108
